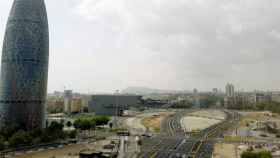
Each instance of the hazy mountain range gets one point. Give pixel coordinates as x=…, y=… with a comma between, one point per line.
x=146, y=90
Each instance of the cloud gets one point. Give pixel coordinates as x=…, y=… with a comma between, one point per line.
x=274, y=34
x=201, y=40
x=180, y=44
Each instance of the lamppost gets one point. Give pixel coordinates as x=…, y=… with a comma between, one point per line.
x=116, y=108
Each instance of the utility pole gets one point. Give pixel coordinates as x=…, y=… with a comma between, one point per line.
x=116, y=108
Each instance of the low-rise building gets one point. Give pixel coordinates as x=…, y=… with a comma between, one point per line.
x=260, y=97
x=76, y=105
x=113, y=104
x=55, y=105
x=229, y=102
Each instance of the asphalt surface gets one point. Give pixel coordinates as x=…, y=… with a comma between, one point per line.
x=171, y=143
x=174, y=143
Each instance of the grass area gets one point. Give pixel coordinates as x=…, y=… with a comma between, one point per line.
x=251, y=117
x=238, y=138
x=224, y=151
x=154, y=122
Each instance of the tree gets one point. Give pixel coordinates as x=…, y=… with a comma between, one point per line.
x=36, y=133
x=20, y=138
x=17, y=138
x=248, y=154
x=53, y=132
x=92, y=124
x=46, y=137
x=55, y=126
x=111, y=125
x=251, y=154
x=87, y=123
x=69, y=124
x=72, y=134
x=62, y=121
x=77, y=123
x=265, y=154
x=183, y=104
x=210, y=101
x=101, y=120
x=8, y=131
x=82, y=124
x=2, y=143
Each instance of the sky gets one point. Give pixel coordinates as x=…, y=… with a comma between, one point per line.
x=104, y=45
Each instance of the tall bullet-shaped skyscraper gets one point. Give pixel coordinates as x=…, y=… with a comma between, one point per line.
x=24, y=69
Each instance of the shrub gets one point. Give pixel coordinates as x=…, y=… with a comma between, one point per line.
x=20, y=138
x=72, y=134
x=250, y=154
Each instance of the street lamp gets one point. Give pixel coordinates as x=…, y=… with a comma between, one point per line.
x=116, y=108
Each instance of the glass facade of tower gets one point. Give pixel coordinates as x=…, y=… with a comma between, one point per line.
x=24, y=69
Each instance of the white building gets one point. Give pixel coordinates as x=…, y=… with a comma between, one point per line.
x=68, y=96
x=230, y=90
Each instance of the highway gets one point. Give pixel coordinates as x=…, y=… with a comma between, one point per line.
x=171, y=143
x=203, y=148
x=174, y=143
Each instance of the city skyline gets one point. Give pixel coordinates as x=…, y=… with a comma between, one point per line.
x=100, y=46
